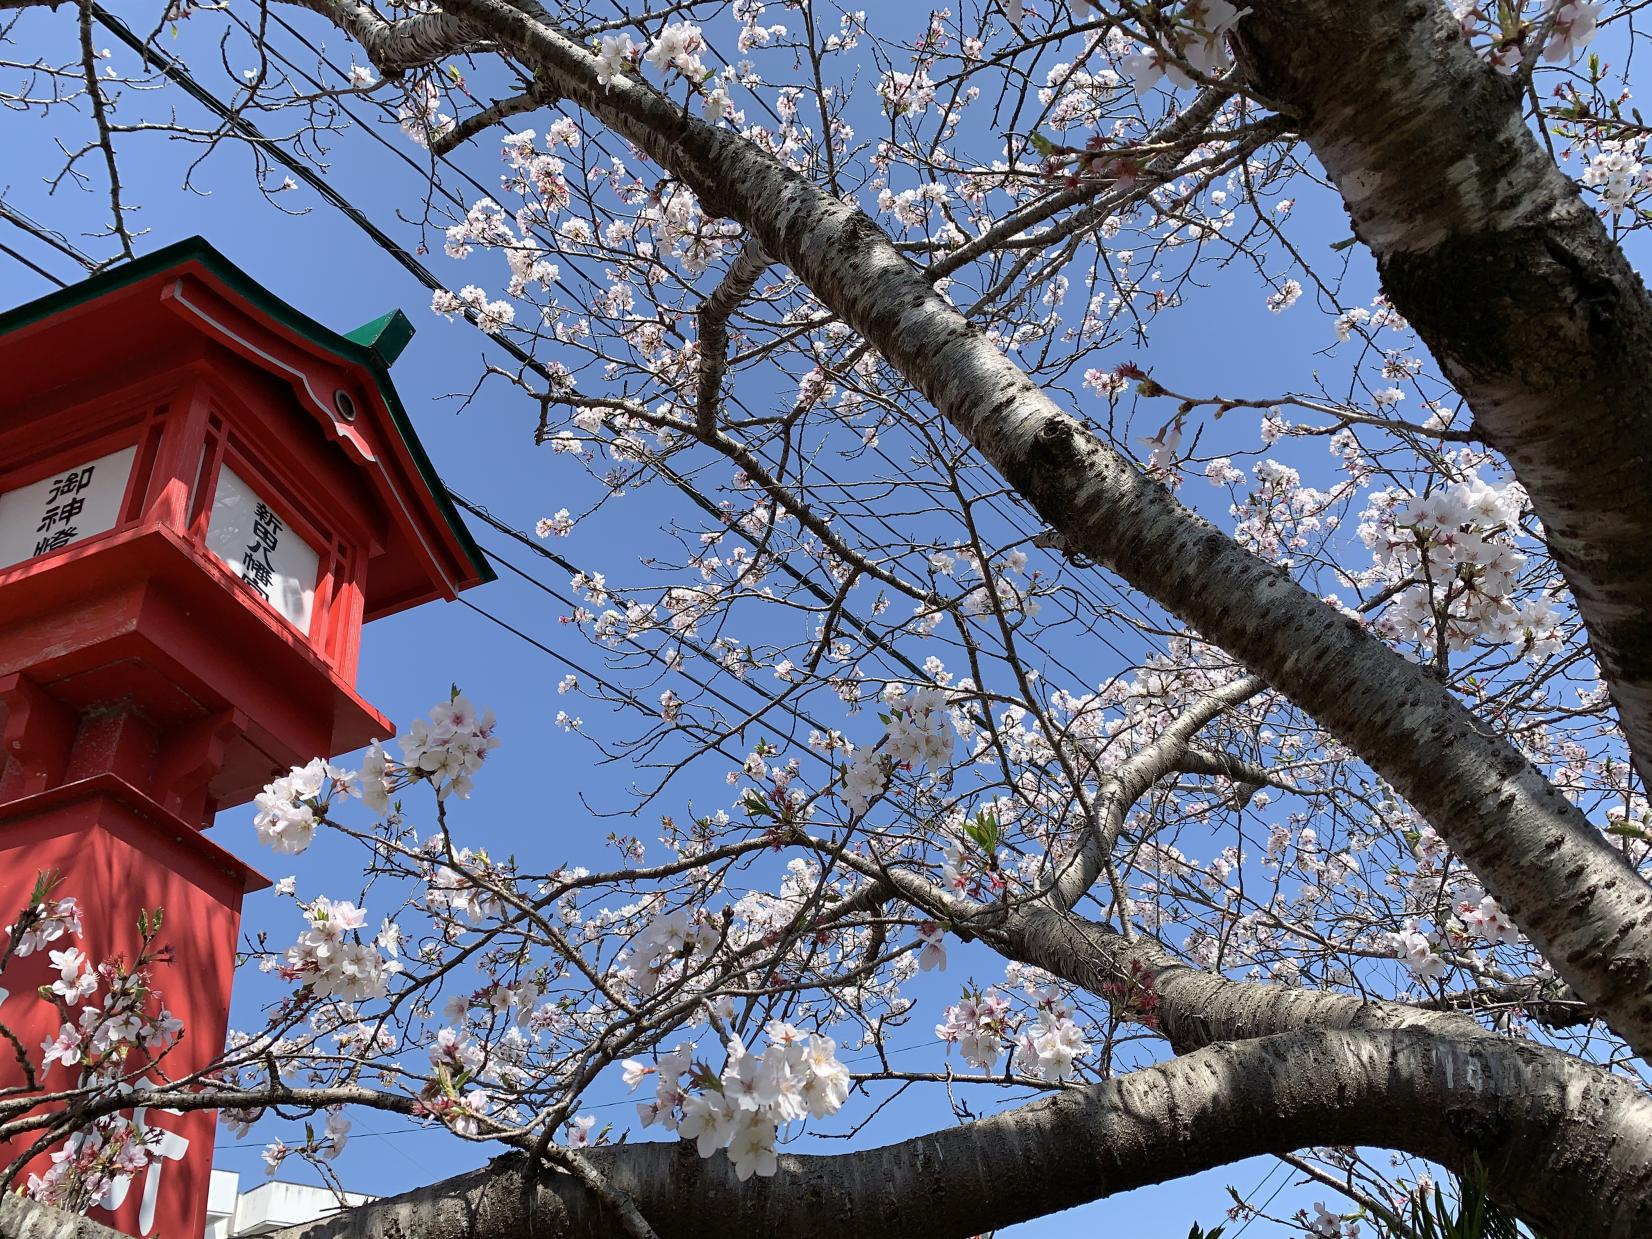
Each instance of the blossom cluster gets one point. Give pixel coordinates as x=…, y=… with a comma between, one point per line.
x=450, y=748
x=744, y=1109
x=290, y=807
x=94, y=1164
x=449, y=1098
x=1452, y=555
x=421, y=116
x=918, y=732
x=1327, y=1225
x=332, y=964
x=980, y=1025
x=1481, y=915
x=1475, y=915
x=1570, y=26
x=678, y=46
x=327, y=1145
x=121, y=1021
x=101, y=1037
x=1617, y=172
x=668, y=940
x=447, y=751
x=967, y=874
x=1051, y=1046
x=464, y=887
x=44, y=922
x=491, y=316
x=1199, y=43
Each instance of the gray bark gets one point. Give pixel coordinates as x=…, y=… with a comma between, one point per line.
x=21, y=1218
x=1571, y=1150
x=1507, y=274
x=1199, y=1008
x=1572, y=893
x=1567, y=1146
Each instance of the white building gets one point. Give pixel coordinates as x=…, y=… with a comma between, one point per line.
x=232, y=1213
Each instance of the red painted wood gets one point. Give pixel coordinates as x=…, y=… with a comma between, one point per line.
x=143, y=686
x=119, y=854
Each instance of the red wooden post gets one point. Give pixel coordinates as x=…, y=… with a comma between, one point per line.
x=203, y=496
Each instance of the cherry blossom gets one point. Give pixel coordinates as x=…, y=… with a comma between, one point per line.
x=1574, y=29
x=869, y=700
x=77, y=978
x=616, y=54
x=1416, y=949
x=932, y=952
x=333, y=965
x=1482, y=916
x=677, y=47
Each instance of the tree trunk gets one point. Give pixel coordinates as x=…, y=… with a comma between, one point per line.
x=1570, y=1151
x=21, y=1218
x=1507, y=274
x=1572, y=893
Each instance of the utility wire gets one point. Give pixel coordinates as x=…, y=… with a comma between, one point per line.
x=177, y=74
x=689, y=642
x=32, y=266
x=180, y=76
x=50, y=236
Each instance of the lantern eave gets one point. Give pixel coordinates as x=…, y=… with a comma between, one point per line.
x=434, y=554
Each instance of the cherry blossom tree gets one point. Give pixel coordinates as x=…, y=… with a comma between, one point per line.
x=1281, y=755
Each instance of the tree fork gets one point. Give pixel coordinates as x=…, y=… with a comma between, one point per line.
x=1509, y=277
x=1573, y=894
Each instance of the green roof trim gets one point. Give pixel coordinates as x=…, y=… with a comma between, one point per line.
x=372, y=346
x=387, y=335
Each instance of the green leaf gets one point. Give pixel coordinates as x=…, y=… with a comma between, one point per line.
x=45, y=882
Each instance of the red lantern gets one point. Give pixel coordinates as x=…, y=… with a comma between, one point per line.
x=203, y=496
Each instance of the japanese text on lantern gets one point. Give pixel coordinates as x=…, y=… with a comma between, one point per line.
x=260, y=548
x=63, y=507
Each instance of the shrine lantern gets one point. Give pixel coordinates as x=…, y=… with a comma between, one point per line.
x=204, y=494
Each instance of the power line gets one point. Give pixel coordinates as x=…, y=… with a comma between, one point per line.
x=1085, y=586
x=50, y=236
x=32, y=266
x=698, y=648
x=179, y=75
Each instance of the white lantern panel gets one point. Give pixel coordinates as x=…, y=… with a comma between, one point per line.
x=63, y=508
x=258, y=547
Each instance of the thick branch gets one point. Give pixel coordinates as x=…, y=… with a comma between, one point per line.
x=714, y=314
x=1575, y=896
x=405, y=43
x=478, y=122
x=1197, y=1008
x=1248, y=775
x=1569, y=1149
x=1124, y=786
x=1508, y=275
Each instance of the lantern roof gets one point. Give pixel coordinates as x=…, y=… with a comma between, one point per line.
x=124, y=310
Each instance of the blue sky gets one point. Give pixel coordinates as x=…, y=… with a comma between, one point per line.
x=530, y=797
